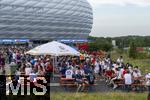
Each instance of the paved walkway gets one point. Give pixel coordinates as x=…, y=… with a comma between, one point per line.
x=55, y=85
x=101, y=86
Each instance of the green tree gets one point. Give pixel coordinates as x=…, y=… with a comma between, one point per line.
x=100, y=45
x=93, y=46
x=132, y=50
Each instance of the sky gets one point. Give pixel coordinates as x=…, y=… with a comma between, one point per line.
x=113, y=18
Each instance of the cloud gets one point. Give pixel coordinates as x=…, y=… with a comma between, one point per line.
x=141, y=3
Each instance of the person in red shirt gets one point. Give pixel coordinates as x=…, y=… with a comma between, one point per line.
x=49, y=69
x=124, y=71
x=93, y=60
x=109, y=75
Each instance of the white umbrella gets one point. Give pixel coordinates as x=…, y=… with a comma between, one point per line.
x=55, y=49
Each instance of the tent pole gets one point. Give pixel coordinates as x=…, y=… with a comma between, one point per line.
x=53, y=67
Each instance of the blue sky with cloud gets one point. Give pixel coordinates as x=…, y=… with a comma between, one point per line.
x=121, y=17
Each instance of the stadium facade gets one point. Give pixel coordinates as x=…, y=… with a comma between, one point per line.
x=45, y=19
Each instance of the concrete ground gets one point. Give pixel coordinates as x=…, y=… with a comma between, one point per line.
x=100, y=87
x=55, y=85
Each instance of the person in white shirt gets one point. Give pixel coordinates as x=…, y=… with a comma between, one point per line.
x=148, y=84
x=96, y=69
x=120, y=60
x=116, y=76
x=120, y=74
x=102, y=63
x=81, y=71
x=136, y=74
x=147, y=79
x=136, y=68
x=128, y=80
x=33, y=76
x=130, y=69
x=69, y=73
x=70, y=66
x=28, y=69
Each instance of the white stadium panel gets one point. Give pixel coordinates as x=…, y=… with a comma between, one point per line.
x=49, y=19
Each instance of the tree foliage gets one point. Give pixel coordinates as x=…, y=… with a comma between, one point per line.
x=140, y=41
x=124, y=41
x=100, y=44
x=132, y=50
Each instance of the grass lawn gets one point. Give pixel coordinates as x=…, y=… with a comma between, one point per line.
x=98, y=96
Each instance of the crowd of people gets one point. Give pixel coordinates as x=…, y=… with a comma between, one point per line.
x=120, y=71
x=24, y=64
x=104, y=67
x=89, y=65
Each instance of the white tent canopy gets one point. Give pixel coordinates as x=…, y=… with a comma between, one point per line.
x=55, y=49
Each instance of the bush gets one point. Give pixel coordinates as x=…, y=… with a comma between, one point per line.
x=132, y=50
